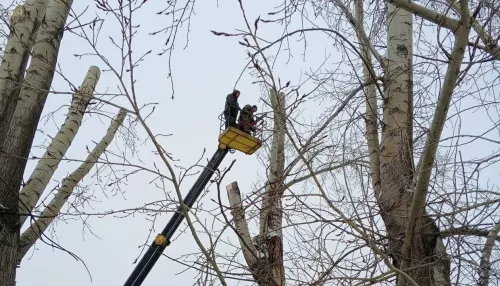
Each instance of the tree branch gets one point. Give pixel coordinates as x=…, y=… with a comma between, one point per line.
x=48, y=164
x=449, y=23
x=466, y=231
x=360, y=32
x=371, y=105
x=485, y=264
x=490, y=44
x=418, y=203
x=253, y=257
x=427, y=14
x=24, y=24
x=36, y=230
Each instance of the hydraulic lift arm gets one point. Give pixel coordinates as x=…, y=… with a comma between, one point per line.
x=162, y=240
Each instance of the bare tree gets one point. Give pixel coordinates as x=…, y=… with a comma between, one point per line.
x=22, y=101
x=429, y=219
x=382, y=181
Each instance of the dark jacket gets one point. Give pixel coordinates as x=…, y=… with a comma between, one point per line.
x=232, y=106
x=246, y=113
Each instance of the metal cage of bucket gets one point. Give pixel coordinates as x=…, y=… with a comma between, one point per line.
x=234, y=138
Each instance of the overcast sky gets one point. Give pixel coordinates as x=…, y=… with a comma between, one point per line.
x=204, y=73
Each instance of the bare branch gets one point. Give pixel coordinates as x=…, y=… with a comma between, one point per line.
x=485, y=264
x=36, y=230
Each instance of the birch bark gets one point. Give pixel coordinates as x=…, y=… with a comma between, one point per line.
x=31, y=235
x=18, y=135
x=24, y=24
x=271, y=215
x=47, y=165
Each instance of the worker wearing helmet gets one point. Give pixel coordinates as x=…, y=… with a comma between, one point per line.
x=246, y=123
x=231, y=108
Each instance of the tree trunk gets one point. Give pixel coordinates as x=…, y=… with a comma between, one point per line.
x=254, y=257
x=24, y=24
x=31, y=235
x=264, y=253
x=21, y=131
x=271, y=214
x=396, y=165
x=47, y=165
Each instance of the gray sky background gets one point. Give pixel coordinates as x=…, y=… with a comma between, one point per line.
x=204, y=74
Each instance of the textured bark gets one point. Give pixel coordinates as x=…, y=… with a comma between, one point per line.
x=255, y=259
x=396, y=165
x=24, y=22
x=271, y=214
x=21, y=130
x=47, y=165
x=485, y=264
x=419, y=224
x=30, y=236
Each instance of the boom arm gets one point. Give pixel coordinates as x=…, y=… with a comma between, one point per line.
x=163, y=239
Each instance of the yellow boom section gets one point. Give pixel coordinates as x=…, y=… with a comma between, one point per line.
x=236, y=139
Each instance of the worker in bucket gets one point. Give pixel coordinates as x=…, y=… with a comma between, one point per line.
x=246, y=123
x=231, y=109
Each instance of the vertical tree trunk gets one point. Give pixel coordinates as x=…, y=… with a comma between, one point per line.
x=396, y=155
x=255, y=259
x=21, y=131
x=396, y=165
x=24, y=24
x=271, y=214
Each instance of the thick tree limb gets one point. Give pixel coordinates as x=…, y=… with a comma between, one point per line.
x=427, y=14
x=48, y=164
x=253, y=257
x=467, y=231
x=371, y=104
x=33, y=94
x=36, y=230
x=271, y=212
x=18, y=130
x=490, y=45
x=240, y=222
x=439, y=19
x=485, y=264
x=418, y=203
x=24, y=24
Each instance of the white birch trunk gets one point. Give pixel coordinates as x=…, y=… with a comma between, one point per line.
x=271, y=211
x=19, y=130
x=30, y=236
x=418, y=222
x=254, y=258
x=48, y=164
x=396, y=167
x=24, y=24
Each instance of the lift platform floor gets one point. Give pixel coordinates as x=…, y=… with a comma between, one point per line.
x=236, y=139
